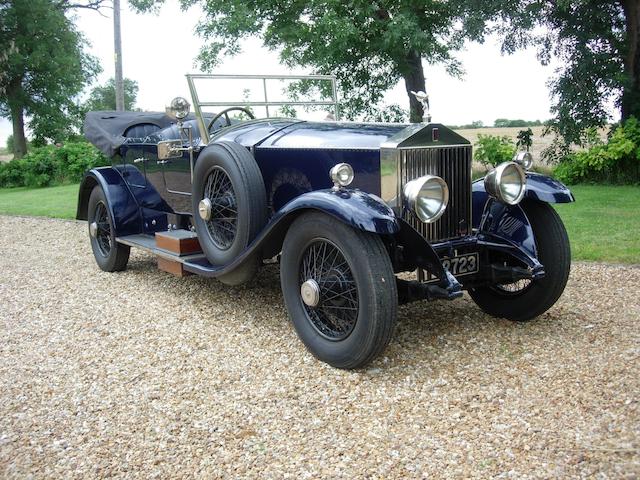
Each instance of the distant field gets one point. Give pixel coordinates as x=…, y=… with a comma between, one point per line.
x=539, y=142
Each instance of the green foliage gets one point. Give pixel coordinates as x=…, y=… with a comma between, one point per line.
x=288, y=111
x=616, y=162
x=524, y=139
x=103, y=97
x=492, y=150
x=43, y=69
x=51, y=164
x=591, y=41
x=369, y=46
x=10, y=144
x=393, y=113
x=506, y=123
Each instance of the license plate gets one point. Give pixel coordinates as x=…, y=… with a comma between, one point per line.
x=458, y=265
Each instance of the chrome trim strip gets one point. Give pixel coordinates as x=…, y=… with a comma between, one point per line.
x=346, y=149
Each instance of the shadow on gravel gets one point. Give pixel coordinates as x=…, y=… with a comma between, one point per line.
x=425, y=332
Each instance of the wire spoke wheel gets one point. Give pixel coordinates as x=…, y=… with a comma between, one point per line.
x=103, y=234
x=223, y=222
x=526, y=299
x=514, y=288
x=335, y=311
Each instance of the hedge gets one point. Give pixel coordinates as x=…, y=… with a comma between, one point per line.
x=51, y=165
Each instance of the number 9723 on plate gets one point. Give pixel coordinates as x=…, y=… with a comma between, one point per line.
x=458, y=265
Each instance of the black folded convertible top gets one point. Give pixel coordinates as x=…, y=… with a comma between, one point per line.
x=108, y=130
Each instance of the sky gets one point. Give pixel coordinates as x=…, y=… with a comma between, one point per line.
x=158, y=50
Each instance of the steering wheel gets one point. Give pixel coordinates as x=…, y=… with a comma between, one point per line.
x=225, y=112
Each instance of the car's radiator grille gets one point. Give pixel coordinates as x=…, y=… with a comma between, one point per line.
x=453, y=165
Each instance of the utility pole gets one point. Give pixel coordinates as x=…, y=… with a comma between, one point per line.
x=117, y=45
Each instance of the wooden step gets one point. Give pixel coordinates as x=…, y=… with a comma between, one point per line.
x=171, y=266
x=178, y=242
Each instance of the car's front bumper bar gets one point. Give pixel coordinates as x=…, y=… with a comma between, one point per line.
x=418, y=253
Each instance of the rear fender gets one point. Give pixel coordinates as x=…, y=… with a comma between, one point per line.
x=121, y=203
x=539, y=187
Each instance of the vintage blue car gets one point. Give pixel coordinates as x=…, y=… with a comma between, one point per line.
x=344, y=207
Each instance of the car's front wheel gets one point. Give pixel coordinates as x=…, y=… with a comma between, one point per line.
x=526, y=299
x=339, y=289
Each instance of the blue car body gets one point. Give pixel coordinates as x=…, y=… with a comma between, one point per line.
x=147, y=195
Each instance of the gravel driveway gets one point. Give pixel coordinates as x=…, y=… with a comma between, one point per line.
x=140, y=374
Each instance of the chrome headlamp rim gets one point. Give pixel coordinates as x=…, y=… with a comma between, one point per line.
x=341, y=174
x=493, y=182
x=524, y=158
x=178, y=108
x=411, y=193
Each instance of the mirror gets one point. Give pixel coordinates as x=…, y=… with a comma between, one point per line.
x=169, y=149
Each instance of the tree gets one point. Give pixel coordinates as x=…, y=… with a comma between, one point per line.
x=368, y=45
x=525, y=139
x=597, y=43
x=43, y=69
x=103, y=97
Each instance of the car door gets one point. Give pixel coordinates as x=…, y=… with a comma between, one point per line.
x=177, y=174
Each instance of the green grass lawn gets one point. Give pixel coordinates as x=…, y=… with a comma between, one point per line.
x=603, y=223
x=58, y=202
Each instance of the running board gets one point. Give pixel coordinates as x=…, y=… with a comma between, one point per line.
x=193, y=263
x=148, y=243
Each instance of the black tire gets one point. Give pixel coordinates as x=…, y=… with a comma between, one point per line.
x=227, y=172
x=534, y=297
x=110, y=255
x=341, y=331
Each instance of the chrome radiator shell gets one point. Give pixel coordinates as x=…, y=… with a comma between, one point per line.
x=453, y=165
x=429, y=149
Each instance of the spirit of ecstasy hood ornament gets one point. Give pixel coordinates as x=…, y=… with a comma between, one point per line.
x=423, y=98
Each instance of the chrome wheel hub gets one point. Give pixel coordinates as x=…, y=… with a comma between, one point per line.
x=310, y=293
x=204, y=209
x=93, y=229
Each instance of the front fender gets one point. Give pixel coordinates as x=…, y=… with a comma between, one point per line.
x=539, y=187
x=357, y=209
x=121, y=203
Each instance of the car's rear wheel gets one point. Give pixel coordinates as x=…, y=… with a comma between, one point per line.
x=339, y=289
x=526, y=299
x=110, y=255
x=229, y=206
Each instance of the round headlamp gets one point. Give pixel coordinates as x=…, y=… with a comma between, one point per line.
x=507, y=183
x=427, y=197
x=179, y=108
x=524, y=158
x=341, y=174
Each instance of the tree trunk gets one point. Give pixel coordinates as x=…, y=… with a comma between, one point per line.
x=414, y=81
x=19, y=140
x=17, y=118
x=631, y=90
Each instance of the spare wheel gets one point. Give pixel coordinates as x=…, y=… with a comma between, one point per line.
x=229, y=206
